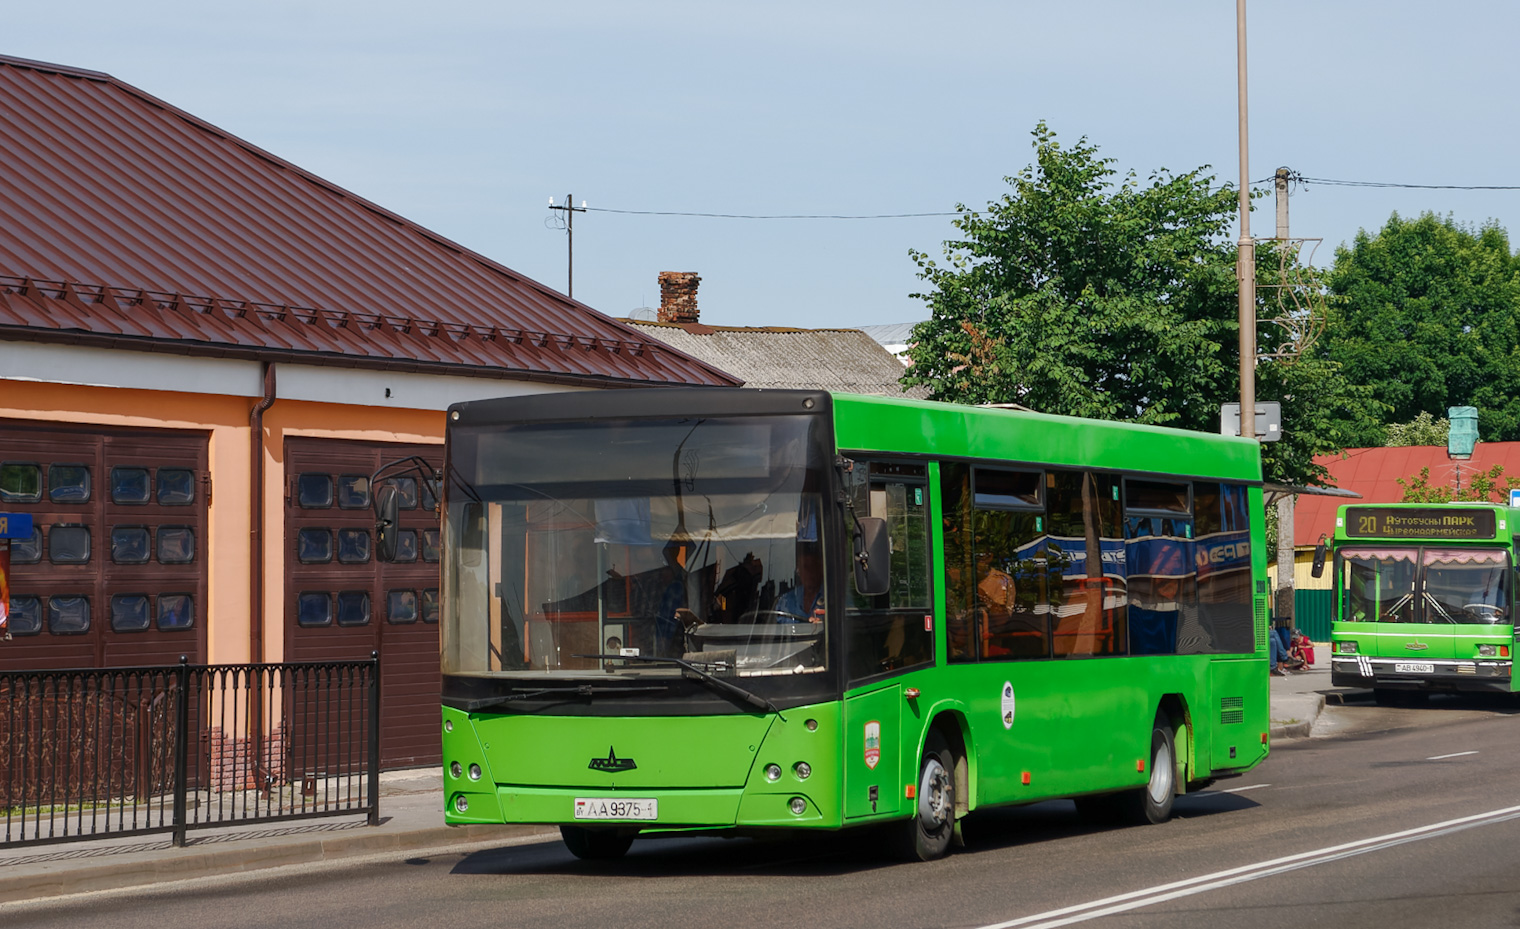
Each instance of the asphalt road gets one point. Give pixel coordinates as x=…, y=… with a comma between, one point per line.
x=1388, y=818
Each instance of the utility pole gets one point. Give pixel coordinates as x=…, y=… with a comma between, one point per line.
x=1286, y=504
x=1245, y=269
x=569, y=209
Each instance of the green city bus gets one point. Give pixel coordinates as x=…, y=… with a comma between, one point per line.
x=748, y=611
x=1422, y=599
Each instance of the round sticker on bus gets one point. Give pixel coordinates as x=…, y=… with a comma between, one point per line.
x=1007, y=704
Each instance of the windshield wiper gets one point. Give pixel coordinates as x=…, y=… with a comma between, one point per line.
x=523, y=693
x=729, y=689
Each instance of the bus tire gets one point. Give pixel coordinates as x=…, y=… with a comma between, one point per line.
x=1153, y=802
x=928, y=834
x=596, y=844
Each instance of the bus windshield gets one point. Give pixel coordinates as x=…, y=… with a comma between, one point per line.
x=579, y=549
x=1425, y=585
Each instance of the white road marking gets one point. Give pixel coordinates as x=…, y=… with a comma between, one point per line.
x=1236, y=790
x=1452, y=755
x=1137, y=899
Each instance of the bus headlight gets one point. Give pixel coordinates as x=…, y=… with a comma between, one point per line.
x=799, y=805
x=803, y=770
x=773, y=772
x=1346, y=648
x=461, y=803
x=474, y=772
x=1488, y=651
x=455, y=769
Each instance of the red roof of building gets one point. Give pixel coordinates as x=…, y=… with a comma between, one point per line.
x=131, y=223
x=1375, y=472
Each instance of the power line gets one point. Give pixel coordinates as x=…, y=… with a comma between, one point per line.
x=1339, y=183
x=598, y=209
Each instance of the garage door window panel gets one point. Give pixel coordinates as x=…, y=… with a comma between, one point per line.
x=176, y=487
x=68, y=615
x=176, y=544
x=353, y=491
x=353, y=546
x=314, y=609
x=25, y=616
x=27, y=551
x=129, y=613
x=20, y=482
x=314, y=491
x=401, y=607
x=314, y=546
x=131, y=544
x=176, y=612
x=131, y=487
x=68, y=483
x=68, y=543
x=353, y=608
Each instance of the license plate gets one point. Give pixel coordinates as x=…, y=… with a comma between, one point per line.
x=1414, y=667
x=616, y=808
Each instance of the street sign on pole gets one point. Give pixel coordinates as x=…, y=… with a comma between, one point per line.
x=1268, y=420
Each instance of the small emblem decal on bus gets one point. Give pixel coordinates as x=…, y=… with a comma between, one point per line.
x=873, y=743
x=612, y=763
x=1416, y=646
x=1008, y=705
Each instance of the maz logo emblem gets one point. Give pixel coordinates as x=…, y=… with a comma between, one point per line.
x=612, y=763
x=1416, y=646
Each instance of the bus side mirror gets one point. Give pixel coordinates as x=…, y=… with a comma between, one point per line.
x=387, y=521
x=1319, y=559
x=872, y=556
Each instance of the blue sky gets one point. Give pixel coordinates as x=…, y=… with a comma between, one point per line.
x=468, y=116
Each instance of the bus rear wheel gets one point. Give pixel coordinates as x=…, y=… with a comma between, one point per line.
x=927, y=836
x=1153, y=802
x=596, y=844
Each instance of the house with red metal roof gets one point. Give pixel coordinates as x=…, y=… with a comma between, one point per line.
x=205, y=352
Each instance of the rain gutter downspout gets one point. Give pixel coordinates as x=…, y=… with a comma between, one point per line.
x=256, y=518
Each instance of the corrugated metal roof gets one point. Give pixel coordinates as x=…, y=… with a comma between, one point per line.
x=1375, y=472
x=133, y=222
x=828, y=359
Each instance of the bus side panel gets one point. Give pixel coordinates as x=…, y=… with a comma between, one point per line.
x=1237, y=715
x=875, y=761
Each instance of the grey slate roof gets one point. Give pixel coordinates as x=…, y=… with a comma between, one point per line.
x=845, y=360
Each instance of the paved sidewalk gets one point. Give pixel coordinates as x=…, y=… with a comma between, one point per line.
x=411, y=810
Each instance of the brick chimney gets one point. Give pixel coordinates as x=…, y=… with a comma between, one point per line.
x=678, y=296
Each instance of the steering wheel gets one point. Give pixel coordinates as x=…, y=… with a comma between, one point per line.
x=1486, y=612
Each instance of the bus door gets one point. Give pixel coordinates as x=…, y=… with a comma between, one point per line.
x=886, y=636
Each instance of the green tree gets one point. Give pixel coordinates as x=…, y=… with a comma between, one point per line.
x=1424, y=429
x=1489, y=486
x=1429, y=317
x=1078, y=295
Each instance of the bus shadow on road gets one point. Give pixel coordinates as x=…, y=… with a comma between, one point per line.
x=818, y=855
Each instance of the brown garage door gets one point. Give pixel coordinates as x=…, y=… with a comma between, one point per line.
x=115, y=572
x=342, y=604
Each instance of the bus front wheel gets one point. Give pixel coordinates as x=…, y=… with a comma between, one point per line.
x=927, y=836
x=596, y=844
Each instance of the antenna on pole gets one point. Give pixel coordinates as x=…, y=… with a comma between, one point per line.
x=569, y=209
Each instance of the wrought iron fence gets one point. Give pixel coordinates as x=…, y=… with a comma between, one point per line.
x=103, y=752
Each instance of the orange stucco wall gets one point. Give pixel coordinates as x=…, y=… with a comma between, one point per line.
x=226, y=419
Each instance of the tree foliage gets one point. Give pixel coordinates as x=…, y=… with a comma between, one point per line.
x=1489, y=486
x=1080, y=295
x=1424, y=429
x=1429, y=318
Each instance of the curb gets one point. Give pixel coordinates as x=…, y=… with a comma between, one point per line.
x=1300, y=729
x=176, y=864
